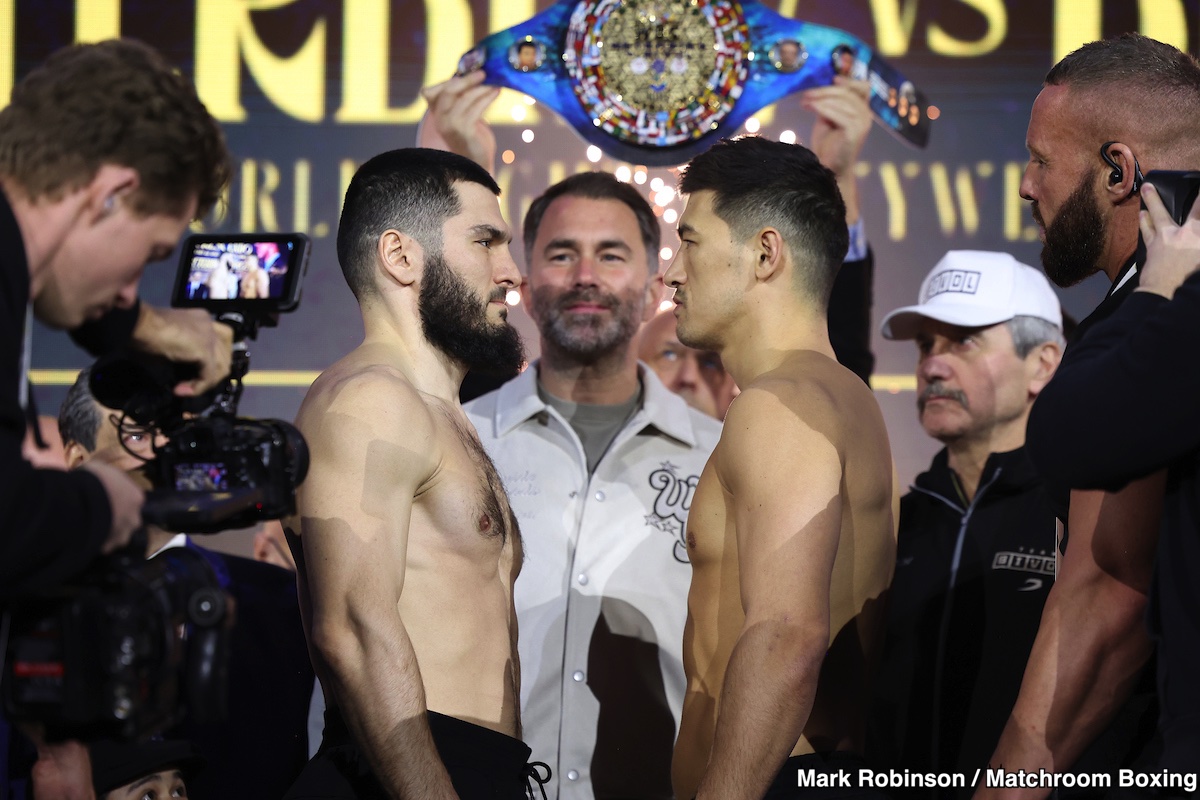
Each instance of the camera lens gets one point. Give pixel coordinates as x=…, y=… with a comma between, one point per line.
x=206, y=607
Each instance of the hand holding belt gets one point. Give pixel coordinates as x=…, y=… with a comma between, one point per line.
x=656, y=81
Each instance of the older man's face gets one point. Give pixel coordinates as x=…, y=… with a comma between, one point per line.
x=970, y=381
x=695, y=375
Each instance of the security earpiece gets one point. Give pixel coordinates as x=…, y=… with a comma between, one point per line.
x=1117, y=175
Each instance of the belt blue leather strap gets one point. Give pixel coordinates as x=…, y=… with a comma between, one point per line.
x=655, y=82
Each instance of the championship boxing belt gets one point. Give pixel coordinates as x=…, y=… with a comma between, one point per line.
x=655, y=82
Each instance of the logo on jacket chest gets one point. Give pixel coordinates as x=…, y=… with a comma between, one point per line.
x=671, y=505
x=1037, y=566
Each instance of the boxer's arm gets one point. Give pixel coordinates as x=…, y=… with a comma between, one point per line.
x=787, y=536
x=1092, y=641
x=372, y=447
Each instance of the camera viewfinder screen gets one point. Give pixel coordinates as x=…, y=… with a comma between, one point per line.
x=239, y=270
x=201, y=477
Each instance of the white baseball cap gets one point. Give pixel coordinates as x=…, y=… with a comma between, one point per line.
x=975, y=289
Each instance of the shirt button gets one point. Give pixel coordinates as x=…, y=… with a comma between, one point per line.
x=572, y=775
x=578, y=675
x=583, y=579
x=600, y=497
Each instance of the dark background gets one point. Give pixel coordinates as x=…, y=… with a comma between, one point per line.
x=954, y=195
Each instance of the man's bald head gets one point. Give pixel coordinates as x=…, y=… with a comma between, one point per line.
x=1139, y=91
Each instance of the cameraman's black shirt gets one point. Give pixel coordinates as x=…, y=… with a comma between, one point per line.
x=52, y=523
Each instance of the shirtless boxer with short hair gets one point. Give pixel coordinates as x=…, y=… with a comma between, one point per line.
x=792, y=528
x=410, y=549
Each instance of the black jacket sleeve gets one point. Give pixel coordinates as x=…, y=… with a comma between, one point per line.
x=850, y=316
x=54, y=523
x=1126, y=400
x=108, y=333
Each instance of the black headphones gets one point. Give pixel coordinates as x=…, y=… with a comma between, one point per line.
x=1117, y=174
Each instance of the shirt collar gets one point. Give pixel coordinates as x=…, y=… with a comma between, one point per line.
x=1016, y=471
x=517, y=401
x=1130, y=269
x=178, y=540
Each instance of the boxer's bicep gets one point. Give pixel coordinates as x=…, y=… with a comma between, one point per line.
x=783, y=476
x=371, y=449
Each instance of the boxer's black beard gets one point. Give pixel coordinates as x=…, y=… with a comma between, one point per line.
x=455, y=321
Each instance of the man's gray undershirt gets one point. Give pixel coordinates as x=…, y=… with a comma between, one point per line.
x=595, y=425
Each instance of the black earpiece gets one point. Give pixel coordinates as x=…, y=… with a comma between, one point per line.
x=1117, y=175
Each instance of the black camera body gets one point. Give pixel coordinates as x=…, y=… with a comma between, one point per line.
x=222, y=472
x=215, y=471
x=114, y=654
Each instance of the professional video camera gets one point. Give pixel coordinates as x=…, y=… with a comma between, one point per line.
x=133, y=642
x=215, y=470
x=120, y=653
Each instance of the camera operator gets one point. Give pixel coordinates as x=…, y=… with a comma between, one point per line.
x=1131, y=373
x=106, y=155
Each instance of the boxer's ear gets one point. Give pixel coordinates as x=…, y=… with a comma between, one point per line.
x=768, y=251
x=400, y=256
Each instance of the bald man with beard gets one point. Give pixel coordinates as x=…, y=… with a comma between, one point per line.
x=1107, y=113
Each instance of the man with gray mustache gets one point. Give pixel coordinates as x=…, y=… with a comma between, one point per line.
x=975, y=555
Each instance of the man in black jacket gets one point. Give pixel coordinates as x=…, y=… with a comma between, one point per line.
x=975, y=556
x=1134, y=367
x=1108, y=112
x=106, y=154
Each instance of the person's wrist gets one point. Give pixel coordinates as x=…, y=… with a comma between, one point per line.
x=146, y=327
x=853, y=212
x=1151, y=288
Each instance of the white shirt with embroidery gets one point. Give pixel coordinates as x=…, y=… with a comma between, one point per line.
x=602, y=595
